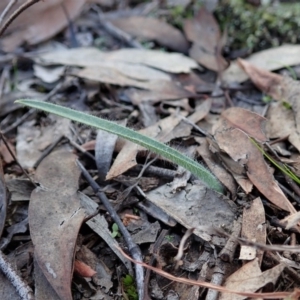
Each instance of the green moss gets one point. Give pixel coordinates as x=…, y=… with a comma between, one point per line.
x=258, y=28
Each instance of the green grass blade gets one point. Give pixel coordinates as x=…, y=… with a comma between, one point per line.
x=131, y=135
x=283, y=168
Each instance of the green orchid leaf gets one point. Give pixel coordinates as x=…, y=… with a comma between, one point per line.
x=130, y=135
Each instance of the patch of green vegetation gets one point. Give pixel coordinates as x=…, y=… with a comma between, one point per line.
x=282, y=167
x=115, y=231
x=169, y=238
x=179, y=13
x=267, y=99
x=286, y=105
x=258, y=28
x=129, y=288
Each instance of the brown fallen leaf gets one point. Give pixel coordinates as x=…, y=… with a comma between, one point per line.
x=49, y=19
x=238, y=146
x=83, y=269
x=253, y=229
x=248, y=121
x=270, y=59
x=205, y=34
x=249, y=278
x=217, y=169
x=281, y=123
x=153, y=29
x=55, y=217
x=42, y=287
x=235, y=168
x=283, y=89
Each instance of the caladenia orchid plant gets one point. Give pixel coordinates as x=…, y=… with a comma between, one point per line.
x=151, y=144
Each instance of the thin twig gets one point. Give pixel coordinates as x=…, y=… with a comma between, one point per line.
x=22, y=288
x=17, y=13
x=132, y=247
x=152, y=261
x=48, y=151
x=6, y=9
x=228, y=251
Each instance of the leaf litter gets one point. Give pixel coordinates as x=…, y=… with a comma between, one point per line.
x=166, y=95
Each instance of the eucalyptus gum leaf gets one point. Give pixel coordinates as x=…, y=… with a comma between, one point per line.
x=130, y=135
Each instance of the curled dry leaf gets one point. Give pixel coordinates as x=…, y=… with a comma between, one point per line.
x=55, y=217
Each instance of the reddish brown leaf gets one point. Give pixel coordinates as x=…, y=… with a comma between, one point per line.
x=153, y=29
x=83, y=269
x=55, y=217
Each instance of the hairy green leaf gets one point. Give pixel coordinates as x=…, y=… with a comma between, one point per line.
x=131, y=135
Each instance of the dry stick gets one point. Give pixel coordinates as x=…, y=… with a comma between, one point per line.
x=289, y=193
x=156, y=171
x=17, y=13
x=132, y=247
x=15, y=159
x=152, y=260
x=48, y=151
x=22, y=288
x=6, y=9
x=292, y=184
x=220, y=270
x=259, y=246
x=227, y=253
x=81, y=149
x=217, y=278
